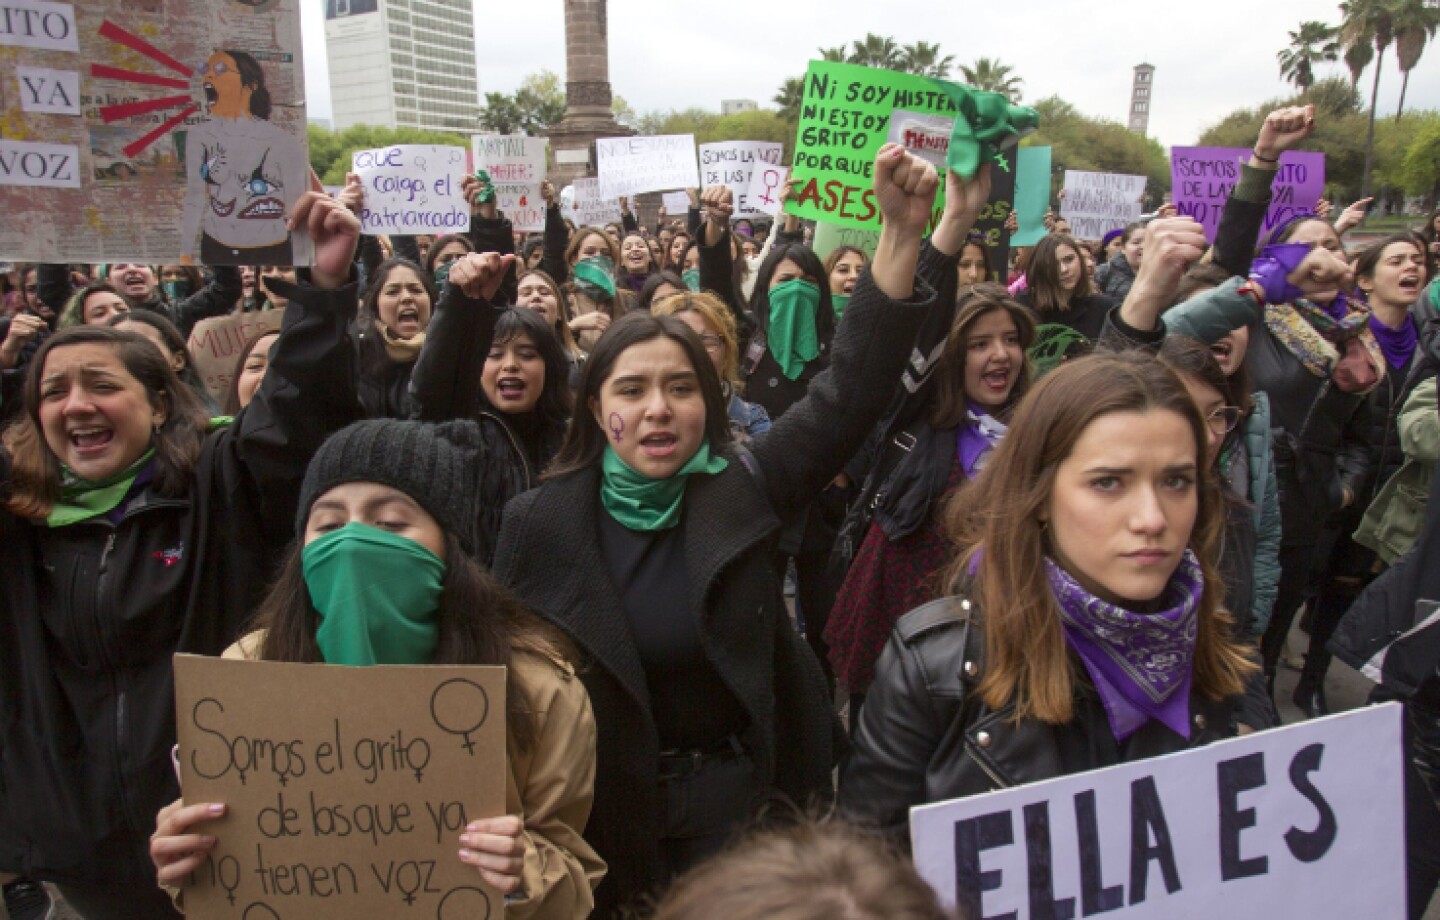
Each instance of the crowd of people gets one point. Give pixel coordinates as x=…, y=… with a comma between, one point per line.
x=695, y=483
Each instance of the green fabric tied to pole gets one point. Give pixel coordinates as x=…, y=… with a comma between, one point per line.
x=487, y=187
x=985, y=123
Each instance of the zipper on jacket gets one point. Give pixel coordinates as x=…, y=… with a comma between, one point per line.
x=984, y=763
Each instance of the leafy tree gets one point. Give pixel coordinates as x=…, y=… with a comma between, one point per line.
x=876, y=51
x=535, y=106
x=1421, y=169
x=331, y=151
x=791, y=93
x=1367, y=23
x=925, y=59
x=500, y=114
x=1314, y=43
x=1078, y=141
x=1415, y=22
x=992, y=76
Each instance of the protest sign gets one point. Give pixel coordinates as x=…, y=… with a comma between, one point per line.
x=766, y=182
x=676, y=203
x=990, y=224
x=591, y=207
x=122, y=145
x=216, y=343
x=412, y=188
x=346, y=789
x=1096, y=203
x=1304, y=821
x=630, y=165
x=829, y=237
x=516, y=166
x=732, y=164
x=1203, y=177
x=1032, y=194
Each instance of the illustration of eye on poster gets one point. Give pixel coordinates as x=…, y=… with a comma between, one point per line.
x=153, y=131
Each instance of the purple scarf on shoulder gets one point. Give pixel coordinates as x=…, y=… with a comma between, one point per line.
x=1141, y=663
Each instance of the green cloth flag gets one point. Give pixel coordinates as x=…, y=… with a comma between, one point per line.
x=1032, y=194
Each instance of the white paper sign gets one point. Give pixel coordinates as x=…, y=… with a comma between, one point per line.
x=516, y=165
x=630, y=165
x=47, y=165
x=732, y=163
x=925, y=136
x=38, y=24
x=676, y=203
x=1304, y=821
x=55, y=92
x=766, y=184
x=1096, y=203
x=592, y=208
x=412, y=189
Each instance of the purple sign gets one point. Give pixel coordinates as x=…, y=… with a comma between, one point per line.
x=1203, y=177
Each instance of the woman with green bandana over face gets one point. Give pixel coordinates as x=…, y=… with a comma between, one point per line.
x=596, y=301
x=842, y=267
x=706, y=698
x=383, y=573
x=132, y=528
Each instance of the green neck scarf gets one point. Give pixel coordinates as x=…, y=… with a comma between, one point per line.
x=642, y=503
x=595, y=277
x=691, y=277
x=81, y=500
x=791, y=334
x=377, y=594
x=839, y=302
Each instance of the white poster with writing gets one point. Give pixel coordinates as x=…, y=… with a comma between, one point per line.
x=733, y=164
x=591, y=207
x=766, y=183
x=412, y=189
x=516, y=166
x=631, y=165
x=1096, y=203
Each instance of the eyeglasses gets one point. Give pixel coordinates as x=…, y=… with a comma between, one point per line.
x=1224, y=419
x=711, y=341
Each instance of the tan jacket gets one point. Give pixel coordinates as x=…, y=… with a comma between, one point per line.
x=551, y=788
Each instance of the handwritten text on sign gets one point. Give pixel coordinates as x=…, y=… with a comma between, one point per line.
x=516, y=166
x=346, y=789
x=732, y=164
x=1096, y=203
x=1305, y=821
x=630, y=165
x=591, y=207
x=412, y=189
x=1203, y=177
x=216, y=344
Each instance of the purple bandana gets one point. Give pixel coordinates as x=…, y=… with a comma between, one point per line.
x=1141, y=663
x=1397, y=344
x=976, y=438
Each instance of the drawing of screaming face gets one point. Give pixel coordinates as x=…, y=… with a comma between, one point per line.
x=226, y=93
x=232, y=184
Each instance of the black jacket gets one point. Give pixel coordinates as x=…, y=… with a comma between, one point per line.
x=730, y=527
x=1115, y=277
x=1087, y=314
x=922, y=737
x=90, y=615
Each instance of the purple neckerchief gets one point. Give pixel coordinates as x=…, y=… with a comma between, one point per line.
x=1140, y=663
x=142, y=479
x=636, y=283
x=976, y=437
x=1397, y=344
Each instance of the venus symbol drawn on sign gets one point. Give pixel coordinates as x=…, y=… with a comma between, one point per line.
x=470, y=905
x=459, y=707
x=771, y=179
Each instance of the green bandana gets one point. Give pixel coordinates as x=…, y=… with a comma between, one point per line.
x=692, y=278
x=81, y=500
x=791, y=335
x=839, y=302
x=595, y=277
x=986, y=123
x=487, y=187
x=642, y=503
x=377, y=594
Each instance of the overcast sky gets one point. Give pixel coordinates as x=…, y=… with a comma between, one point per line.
x=672, y=54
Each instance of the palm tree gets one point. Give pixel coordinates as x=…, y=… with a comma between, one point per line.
x=1367, y=23
x=791, y=93
x=924, y=59
x=1415, y=22
x=836, y=54
x=1313, y=44
x=992, y=76
x=876, y=51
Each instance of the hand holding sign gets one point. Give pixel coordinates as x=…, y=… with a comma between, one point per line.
x=334, y=231
x=352, y=196
x=1283, y=130
x=493, y=846
x=173, y=849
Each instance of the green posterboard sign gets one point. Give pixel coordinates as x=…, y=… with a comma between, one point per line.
x=1032, y=194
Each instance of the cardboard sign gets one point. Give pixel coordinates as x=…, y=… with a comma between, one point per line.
x=217, y=343
x=516, y=165
x=1032, y=194
x=766, y=183
x=1304, y=821
x=829, y=237
x=1203, y=177
x=125, y=142
x=346, y=789
x=591, y=207
x=1096, y=203
x=630, y=165
x=412, y=189
x=732, y=164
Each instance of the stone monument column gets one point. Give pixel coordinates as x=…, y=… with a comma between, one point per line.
x=587, y=93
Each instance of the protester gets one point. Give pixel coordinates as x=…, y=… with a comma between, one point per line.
x=393, y=318
x=842, y=268
x=659, y=286
x=141, y=288
x=713, y=324
x=539, y=292
x=249, y=371
x=1117, y=272
x=163, y=334
x=974, y=265
x=386, y=531
x=1394, y=519
x=635, y=264
x=700, y=716
x=92, y=305
x=1059, y=290
x=588, y=263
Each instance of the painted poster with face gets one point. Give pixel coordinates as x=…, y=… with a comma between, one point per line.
x=153, y=131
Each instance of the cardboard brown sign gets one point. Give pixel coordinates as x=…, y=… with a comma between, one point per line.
x=346, y=789
x=215, y=345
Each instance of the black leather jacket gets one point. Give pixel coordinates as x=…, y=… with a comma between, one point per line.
x=923, y=737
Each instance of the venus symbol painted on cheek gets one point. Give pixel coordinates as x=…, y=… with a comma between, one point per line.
x=617, y=427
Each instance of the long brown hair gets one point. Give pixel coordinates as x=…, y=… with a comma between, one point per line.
x=977, y=301
x=480, y=622
x=34, y=468
x=1043, y=276
x=1027, y=661
x=563, y=313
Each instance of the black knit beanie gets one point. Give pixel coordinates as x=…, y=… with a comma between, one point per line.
x=433, y=464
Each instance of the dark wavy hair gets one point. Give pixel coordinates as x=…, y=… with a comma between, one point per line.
x=34, y=468
x=585, y=440
x=253, y=76
x=373, y=357
x=654, y=283
x=556, y=401
x=439, y=243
